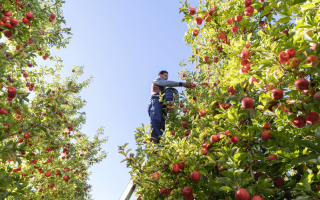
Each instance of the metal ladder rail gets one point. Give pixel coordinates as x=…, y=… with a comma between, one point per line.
x=126, y=195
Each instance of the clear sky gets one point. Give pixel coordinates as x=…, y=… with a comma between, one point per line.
x=123, y=44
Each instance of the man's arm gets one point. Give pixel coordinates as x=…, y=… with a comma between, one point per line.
x=160, y=82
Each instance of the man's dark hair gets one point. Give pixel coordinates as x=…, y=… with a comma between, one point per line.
x=162, y=72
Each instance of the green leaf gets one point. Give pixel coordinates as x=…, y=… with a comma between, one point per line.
x=306, y=184
x=298, y=2
x=308, y=6
x=317, y=135
x=265, y=11
x=240, y=156
x=21, y=146
x=48, y=92
x=305, y=158
x=203, y=172
x=283, y=20
x=225, y=188
x=310, y=145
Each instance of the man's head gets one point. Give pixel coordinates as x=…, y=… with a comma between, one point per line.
x=163, y=74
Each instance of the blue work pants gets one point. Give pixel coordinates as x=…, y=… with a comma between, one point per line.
x=155, y=111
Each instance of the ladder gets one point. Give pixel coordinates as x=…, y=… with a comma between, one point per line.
x=126, y=195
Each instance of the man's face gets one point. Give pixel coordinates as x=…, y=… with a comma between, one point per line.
x=164, y=76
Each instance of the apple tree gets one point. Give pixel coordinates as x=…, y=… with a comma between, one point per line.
x=249, y=127
x=43, y=153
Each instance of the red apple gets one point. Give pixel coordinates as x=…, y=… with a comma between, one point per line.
x=206, y=144
x=230, y=21
x=199, y=20
x=242, y=194
x=302, y=84
x=277, y=94
x=181, y=165
x=283, y=57
x=207, y=18
x=272, y=157
x=204, y=151
x=195, y=32
x=266, y=126
x=214, y=139
x=215, y=60
x=233, y=140
x=9, y=26
x=278, y=182
x=316, y=97
x=12, y=89
x=299, y=122
x=212, y=11
x=48, y=174
x=14, y=22
x=175, y=168
x=238, y=18
x=247, y=103
x=266, y=135
x=252, y=80
x=203, y=112
x=294, y=62
x=248, y=66
x=195, y=176
x=312, y=60
x=52, y=15
x=249, y=11
x=5, y=19
x=247, y=3
x=25, y=21
x=222, y=36
x=187, y=191
x=29, y=15
x=7, y=13
x=185, y=110
x=248, y=46
x=312, y=118
x=244, y=62
x=192, y=11
x=155, y=175
x=243, y=70
x=234, y=29
x=245, y=54
x=257, y=198
x=291, y=52
x=286, y=32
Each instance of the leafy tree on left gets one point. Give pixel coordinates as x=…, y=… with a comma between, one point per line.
x=43, y=153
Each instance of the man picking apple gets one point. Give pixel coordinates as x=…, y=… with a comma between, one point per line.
x=155, y=108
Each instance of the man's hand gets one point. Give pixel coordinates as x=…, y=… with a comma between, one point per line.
x=186, y=84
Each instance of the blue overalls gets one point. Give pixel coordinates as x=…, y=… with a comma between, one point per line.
x=155, y=111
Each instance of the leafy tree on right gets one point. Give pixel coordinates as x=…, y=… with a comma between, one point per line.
x=249, y=127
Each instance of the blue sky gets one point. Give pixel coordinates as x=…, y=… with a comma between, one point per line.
x=123, y=44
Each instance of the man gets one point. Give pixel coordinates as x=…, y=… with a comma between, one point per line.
x=155, y=108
